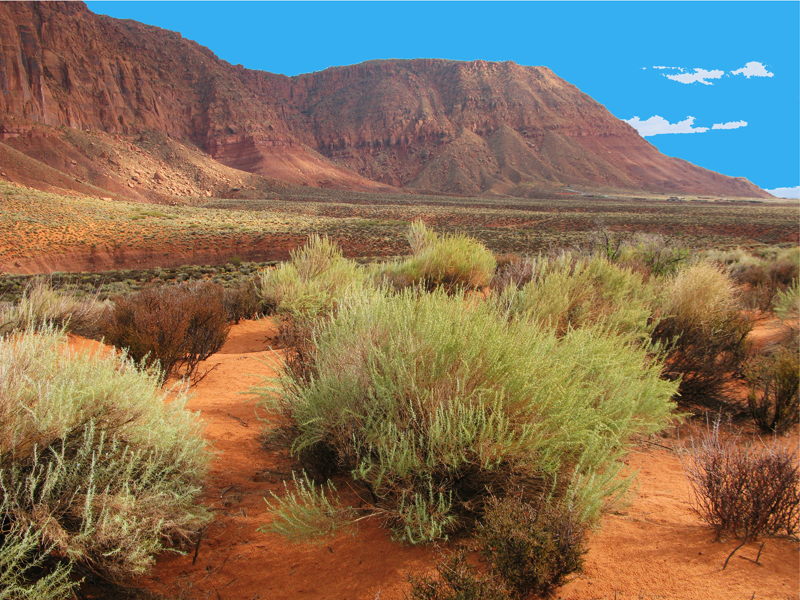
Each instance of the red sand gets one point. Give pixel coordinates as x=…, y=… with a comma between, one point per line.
x=656, y=547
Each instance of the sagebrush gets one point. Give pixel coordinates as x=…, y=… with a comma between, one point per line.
x=567, y=293
x=702, y=324
x=41, y=305
x=97, y=468
x=307, y=291
x=432, y=402
x=450, y=260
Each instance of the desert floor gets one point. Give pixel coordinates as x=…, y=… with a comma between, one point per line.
x=654, y=547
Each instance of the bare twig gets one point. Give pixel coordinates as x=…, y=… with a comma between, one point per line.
x=759, y=555
x=659, y=445
x=197, y=545
x=241, y=421
x=204, y=375
x=744, y=541
x=226, y=490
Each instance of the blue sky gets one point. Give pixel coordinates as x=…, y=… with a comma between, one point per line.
x=748, y=54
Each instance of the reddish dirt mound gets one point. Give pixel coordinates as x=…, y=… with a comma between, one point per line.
x=656, y=547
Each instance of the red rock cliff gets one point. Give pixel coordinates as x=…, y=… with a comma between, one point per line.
x=430, y=124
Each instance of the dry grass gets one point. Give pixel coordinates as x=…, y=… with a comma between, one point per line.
x=34, y=223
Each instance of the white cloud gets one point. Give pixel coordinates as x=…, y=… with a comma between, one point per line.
x=787, y=192
x=668, y=68
x=699, y=75
x=656, y=125
x=731, y=125
x=753, y=69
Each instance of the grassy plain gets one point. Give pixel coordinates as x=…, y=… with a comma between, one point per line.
x=41, y=232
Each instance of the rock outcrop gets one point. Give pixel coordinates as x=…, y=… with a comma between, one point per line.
x=462, y=127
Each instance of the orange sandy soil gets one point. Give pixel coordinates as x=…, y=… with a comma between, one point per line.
x=655, y=547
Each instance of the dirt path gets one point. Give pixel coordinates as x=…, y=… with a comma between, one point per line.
x=235, y=561
x=654, y=548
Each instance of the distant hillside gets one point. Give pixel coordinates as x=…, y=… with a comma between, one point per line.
x=435, y=125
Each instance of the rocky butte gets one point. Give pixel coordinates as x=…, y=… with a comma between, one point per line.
x=78, y=89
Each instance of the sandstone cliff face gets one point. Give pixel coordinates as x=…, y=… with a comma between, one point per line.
x=427, y=124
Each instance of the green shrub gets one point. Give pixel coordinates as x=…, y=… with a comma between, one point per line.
x=313, y=282
x=22, y=570
x=96, y=468
x=705, y=329
x=306, y=292
x=176, y=326
x=774, y=398
x=567, y=294
x=787, y=304
x=307, y=512
x=743, y=489
x=531, y=548
x=432, y=402
x=453, y=261
x=41, y=304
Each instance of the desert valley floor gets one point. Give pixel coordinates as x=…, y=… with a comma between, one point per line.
x=655, y=547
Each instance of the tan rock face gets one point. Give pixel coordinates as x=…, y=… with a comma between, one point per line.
x=400, y=123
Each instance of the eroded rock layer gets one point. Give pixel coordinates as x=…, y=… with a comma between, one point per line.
x=439, y=125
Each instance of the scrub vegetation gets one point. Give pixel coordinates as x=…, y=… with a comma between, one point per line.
x=456, y=391
x=99, y=470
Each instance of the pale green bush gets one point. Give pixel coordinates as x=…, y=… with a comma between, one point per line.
x=41, y=304
x=787, y=304
x=433, y=402
x=566, y=293
x=451, y=261
x=706, y=330
x=313, y=282
x=95, y=465
x=20, y=559
x=305, y=292
x=307, y=511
